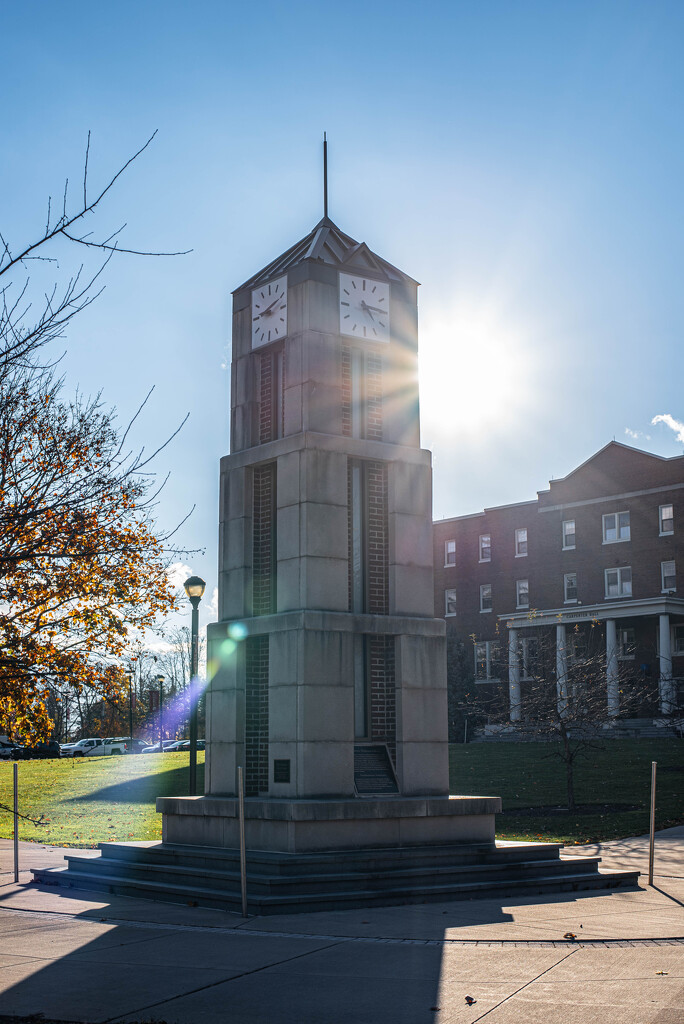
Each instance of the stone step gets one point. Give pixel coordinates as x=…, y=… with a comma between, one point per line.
x=347, y=861
x=571, y=881
x=330, y=881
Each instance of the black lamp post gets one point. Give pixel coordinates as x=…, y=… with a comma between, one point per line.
x=129, y=673
x=194, y=588
x=160, y=680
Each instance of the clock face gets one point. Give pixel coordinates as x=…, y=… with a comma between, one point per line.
x=364, y=307
x=269, y=312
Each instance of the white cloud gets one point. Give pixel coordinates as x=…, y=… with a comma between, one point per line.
x=634, y=434
x=672, y=423
x=178, y=573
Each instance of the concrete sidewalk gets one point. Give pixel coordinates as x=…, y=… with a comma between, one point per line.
x=80, y=956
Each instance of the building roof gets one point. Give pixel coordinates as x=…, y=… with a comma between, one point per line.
x=328, y=244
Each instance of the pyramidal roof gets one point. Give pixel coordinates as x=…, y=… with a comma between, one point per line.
x=327, y=244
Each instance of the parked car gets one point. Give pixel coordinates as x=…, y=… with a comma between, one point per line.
x=154, y=748
x=81, y=747
x=39, y=750
x=7, y=748
x=185, y=745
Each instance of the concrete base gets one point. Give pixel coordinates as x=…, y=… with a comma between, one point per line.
x=299, y=826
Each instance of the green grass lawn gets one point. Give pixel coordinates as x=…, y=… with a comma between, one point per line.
x=608, y=781
x=91, y=799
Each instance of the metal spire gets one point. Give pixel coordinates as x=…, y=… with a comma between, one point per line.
x=325, y=175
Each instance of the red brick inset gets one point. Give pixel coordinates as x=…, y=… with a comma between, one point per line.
x=256, y=716
x=373, y=378
x=264, y=540
x=346, y=391
x=270, y=396
x=377, y=539
x=383, y=699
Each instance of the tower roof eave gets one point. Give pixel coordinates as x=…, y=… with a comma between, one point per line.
x=327, y=243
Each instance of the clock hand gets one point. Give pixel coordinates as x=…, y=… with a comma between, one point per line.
x=268, y=309
x=376, y=309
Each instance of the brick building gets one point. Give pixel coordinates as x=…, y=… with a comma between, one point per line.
x=603, y=545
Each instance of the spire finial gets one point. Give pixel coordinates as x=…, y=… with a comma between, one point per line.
x=325, y=175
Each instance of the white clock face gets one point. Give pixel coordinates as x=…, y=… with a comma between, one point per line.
x=269, y=312
x=364, y=307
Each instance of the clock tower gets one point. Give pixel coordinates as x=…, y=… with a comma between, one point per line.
x=327, y=665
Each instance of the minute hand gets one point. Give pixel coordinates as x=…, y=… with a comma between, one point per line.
x=376, y=309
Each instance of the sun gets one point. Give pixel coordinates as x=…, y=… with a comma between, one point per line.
x=476, y=373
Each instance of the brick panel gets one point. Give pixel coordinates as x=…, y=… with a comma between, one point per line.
x=256, y=716
x=266, y=433
x=263, y=540
x=383, y=712
x=346, y=391
x=373, y=397
x=377, y=543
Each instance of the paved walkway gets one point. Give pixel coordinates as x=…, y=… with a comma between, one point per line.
x=89, y=957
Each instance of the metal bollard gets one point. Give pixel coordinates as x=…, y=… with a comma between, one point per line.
x=16, y=822
x=243, y=856
x=651, y=847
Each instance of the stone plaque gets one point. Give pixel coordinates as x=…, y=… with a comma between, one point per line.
x=281, y=769
x=373, y=771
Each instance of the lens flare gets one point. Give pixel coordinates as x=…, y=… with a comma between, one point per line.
x=237, y=631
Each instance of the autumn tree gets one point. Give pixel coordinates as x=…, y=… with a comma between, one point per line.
x=82, y=563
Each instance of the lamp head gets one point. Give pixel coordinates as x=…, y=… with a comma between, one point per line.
x=194, y=588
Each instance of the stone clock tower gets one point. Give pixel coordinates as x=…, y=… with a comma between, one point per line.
x=328, y=680
x=327, y=669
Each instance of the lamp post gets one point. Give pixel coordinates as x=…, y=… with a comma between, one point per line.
x=194, y=588
x=160, y=680
x=129, y=673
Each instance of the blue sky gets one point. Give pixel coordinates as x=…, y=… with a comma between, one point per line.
x=523, y=160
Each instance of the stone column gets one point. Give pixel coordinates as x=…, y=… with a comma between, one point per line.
x=514, y=676
x=665, y=683
x=612, y=674
x=561, y=670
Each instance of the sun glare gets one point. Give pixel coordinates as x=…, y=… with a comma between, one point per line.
x=475, y=374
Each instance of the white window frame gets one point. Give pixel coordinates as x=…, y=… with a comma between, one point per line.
x=489, y=656
x=566, y=599
x=626, y=643
x=519, y=541
x=481, y=548
x=662, y=532
x=483, y=598
x=449, y=601
x=622, y=592
x=672, y=575
x=449, y=549
x=518, y=589
x=616, y=516
x=566, y=532
x=678, y=640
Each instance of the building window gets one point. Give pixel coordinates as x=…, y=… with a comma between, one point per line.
x=619, y=582
x=449, y=552
x=668, y=577
x=522, y=594
x=450, y=602
x=530, y=657
x=568, y=534
x=570, y=587
x=626, y=644
x=678, y=646
x=615, y=527
x=666, y=519
x=487, y=665
x=486, y=597
x=486, y=548
x=520, y=543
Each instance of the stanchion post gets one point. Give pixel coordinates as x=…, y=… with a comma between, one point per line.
x=651, y=846
x=16, y=822
x=243, y=857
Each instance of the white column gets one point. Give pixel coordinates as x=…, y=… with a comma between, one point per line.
x=612, y=673
x=561, y=670
x=665, y=684
x=514, y=676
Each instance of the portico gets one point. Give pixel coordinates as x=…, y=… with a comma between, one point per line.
x=655, y=619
